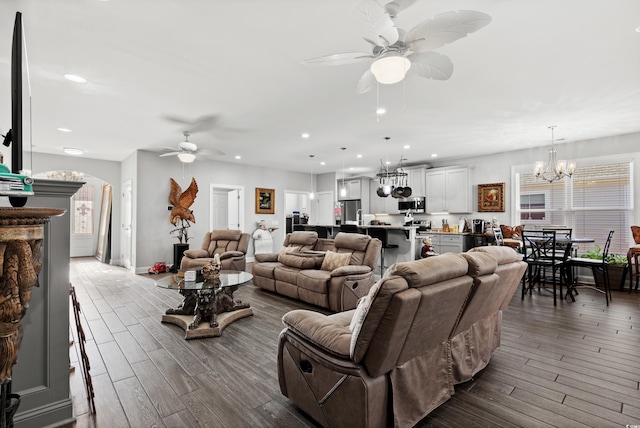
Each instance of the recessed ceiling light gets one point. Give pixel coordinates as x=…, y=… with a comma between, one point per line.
x=381, y=110
x=75, y=78
x=406, y=146
x=638, y=30
x=238, y=157
x=305, y=135
x=323, y=163
x=63, y=129
x=73, y=151
x=350, y=168
x=434, y=155
x=359, y=156
x=388, y=162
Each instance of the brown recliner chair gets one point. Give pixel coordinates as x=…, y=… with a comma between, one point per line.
x=425, y=326
x=231, y=245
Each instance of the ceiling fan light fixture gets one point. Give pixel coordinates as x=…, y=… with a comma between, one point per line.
x=186, y=157
x=390, y=69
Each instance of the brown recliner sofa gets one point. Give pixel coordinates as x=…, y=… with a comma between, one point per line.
x=302, y=273
x=399, y=354
x=231, y=245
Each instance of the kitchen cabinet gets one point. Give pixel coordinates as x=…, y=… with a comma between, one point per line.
x=354, y=187
x=417, y=182
x=448, y=190
x=447, y=242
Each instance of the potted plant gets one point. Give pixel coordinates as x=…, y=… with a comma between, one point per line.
x=616, y=264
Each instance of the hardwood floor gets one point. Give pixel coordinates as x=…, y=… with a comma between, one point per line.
x=574, y=365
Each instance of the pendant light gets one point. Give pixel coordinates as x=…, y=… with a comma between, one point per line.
x=555, y=170
x=311, y=195
x=343, y=191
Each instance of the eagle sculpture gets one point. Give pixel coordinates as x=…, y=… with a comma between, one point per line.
x=182, y=201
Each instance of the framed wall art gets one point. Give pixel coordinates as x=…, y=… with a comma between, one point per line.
x=265, y=201
x=491, y=198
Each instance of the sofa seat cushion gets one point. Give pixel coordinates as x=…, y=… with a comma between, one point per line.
x=286, y=274
x=328, y=332
x=314, y=280
x=265, y=269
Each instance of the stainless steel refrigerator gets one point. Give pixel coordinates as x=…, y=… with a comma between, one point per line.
x=350, y=209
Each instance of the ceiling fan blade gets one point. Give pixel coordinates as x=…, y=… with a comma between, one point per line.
x=339, y=59
x=202, y=123
x=374, y=23
x=169, y=154
x=211, y=152
x=444, y=28
x=431, y=65
x=395, y=6
x=366, y=83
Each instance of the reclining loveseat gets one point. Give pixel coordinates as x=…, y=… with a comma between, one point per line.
x=231, y=245
x=424, y=327
x=331, y=273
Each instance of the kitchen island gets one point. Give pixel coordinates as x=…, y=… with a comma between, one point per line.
x=402, y=236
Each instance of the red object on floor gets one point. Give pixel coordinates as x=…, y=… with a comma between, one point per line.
x=159, y=267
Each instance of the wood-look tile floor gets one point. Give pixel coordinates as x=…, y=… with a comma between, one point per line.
x=574, y=365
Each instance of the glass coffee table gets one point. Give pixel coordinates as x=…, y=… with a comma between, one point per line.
x=208, y=306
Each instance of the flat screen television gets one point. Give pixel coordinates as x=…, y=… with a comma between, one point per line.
x=12, y=184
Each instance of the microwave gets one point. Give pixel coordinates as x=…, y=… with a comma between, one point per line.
x=415, y=205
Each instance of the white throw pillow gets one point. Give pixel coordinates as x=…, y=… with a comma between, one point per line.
x=364, y=304
x=333, y=260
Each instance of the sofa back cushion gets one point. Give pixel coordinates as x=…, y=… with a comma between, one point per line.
x=510, y=268
x=221, y=241
x=363, y=249
x=413, y=311
x=304, y=240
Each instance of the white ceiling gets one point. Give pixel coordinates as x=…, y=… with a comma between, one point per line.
x=570, y=63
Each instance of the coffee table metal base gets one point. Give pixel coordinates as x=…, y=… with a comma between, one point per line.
x=204, y=330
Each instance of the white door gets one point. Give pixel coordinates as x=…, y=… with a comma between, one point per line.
x=233, y=220
x=219, y=210
x=324, y=211
x=125, y=255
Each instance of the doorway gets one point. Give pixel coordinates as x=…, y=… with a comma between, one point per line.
x=227, y=207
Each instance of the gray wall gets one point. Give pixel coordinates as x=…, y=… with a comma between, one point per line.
x=150, y=176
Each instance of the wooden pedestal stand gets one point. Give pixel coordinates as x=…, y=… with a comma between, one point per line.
x=21, y=235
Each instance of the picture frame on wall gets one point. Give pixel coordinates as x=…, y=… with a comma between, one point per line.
x=491, y=198
x=265, y=201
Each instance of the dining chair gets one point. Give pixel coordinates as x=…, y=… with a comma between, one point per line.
x=597, y=267
x=541, y=252
x=498, y=236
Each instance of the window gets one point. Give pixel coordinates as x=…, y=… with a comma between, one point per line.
x=82, y=205
x=596, y=200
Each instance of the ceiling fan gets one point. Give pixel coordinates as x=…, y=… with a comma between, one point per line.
x=187, y=150
x=395, y=51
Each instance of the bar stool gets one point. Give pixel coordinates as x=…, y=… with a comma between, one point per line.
x=632, y=258
x=383, y=236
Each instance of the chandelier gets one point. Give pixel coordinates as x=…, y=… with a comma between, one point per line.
x=555, y=170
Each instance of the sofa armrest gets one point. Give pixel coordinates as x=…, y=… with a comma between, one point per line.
x=229, y=254
x=266, y=257
x=330, y=333
x=196, y=254
x=351, y=270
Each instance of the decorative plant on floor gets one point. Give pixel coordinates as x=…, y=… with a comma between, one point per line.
x=181, y=215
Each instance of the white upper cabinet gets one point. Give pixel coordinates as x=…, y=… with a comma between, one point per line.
x=417, y=182
x=448, y=190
